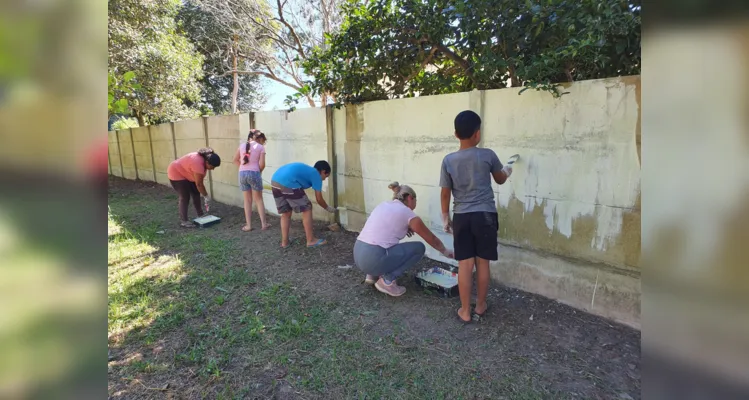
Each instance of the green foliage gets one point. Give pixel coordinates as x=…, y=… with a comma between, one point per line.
x=143, y=40
x=118, y=90
x=401, y=48
x=124, y=123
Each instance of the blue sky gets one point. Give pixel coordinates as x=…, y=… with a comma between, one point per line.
x=276, y=94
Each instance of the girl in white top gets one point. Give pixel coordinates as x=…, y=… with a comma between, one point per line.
x=378, y=251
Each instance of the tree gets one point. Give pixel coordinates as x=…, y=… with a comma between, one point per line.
x=273, y=39
x=119, y=89
x=221, y=92
x=143, y=39
x=400, y=48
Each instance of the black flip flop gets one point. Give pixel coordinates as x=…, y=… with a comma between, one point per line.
x=476, y=316
x=462, y=321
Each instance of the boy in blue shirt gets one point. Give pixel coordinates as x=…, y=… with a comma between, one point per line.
x=467, y=175
x=288, y=183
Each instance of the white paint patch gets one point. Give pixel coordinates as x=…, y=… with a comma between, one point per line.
x=583, y=170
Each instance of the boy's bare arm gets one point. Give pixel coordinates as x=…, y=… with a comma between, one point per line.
x=445, y=200
x=500, y=176
x=445, y=203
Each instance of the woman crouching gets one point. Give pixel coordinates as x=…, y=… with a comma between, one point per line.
x=378, y=251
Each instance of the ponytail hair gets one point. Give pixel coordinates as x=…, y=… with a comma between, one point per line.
x=254, y=135
x=209, y=156
x=401, y=193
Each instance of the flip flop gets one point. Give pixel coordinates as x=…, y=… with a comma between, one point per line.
x=476, y=316
x=462, y=321
x=291, y=241
x=318, y=243
x=246, y=230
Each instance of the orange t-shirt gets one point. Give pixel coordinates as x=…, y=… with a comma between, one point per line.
x=184, y=167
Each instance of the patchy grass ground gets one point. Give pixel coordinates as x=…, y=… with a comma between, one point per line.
x=223, y=314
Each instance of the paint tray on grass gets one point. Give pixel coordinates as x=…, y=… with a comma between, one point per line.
x=441, y=280
x=206, y=221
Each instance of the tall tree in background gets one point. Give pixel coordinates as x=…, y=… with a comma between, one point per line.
x=400, y=48
x=272, y=39
x=223, y=90
x=143, y=40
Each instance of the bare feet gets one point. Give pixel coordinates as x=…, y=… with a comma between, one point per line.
x=266, y=226
x=186, y=224
x=464, y=315
x=246, y=228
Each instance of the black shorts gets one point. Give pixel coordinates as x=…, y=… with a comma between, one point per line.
x=475, y=235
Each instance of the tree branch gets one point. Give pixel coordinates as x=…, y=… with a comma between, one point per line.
x=424, y=63
x=282, y=20
x=269, y=75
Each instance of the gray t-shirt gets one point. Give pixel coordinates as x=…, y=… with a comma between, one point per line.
x=467, y=173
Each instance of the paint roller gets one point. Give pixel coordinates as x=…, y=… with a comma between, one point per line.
x=513, y=159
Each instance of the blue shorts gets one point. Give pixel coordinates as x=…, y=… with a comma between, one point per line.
x=250, y=180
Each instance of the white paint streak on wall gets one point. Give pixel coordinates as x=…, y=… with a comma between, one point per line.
x=579, y=160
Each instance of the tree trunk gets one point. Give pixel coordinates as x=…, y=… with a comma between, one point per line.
x=235, y=91
x=514, y=82
x=311, y=102
x=139, y=116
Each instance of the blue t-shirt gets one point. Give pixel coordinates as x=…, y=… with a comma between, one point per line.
x=298, y=176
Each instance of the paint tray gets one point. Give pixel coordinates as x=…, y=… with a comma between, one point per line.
x=443, y=281
x=206, y=221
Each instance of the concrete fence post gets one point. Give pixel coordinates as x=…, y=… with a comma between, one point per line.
x=135, y=156
x=476, y=104
x=174, y=140
x=330, y=127
x=205, y=134
x=153, y=158
x=119, y=152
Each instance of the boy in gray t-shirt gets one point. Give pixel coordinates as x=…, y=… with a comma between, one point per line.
x=467, y=175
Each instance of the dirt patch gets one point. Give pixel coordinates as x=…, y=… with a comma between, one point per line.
x=527, y=343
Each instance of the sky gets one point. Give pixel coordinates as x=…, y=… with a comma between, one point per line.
x=276, y=94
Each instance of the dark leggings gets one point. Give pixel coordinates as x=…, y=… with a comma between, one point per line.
x=186, y=189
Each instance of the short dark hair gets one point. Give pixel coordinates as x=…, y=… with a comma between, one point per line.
x=466, y=124
x=322, y=166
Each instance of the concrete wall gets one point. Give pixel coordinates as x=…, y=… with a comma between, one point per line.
x=225, y=133
x=299, y=136
x=127, y=156
x=143, y=154
x=569, y=215
x=189, y=136
x=114, y=154
x=163, y=150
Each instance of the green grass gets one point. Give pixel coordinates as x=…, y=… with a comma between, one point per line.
x=231, y=324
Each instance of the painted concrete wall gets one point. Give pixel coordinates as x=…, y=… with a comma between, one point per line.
x=569, y=215
x=143, y=155
x=189, y=136
x=299, y=136
x=576, y=189
x=127, y=155
x=114, y=154
x=225, y=133
x=163, y=150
